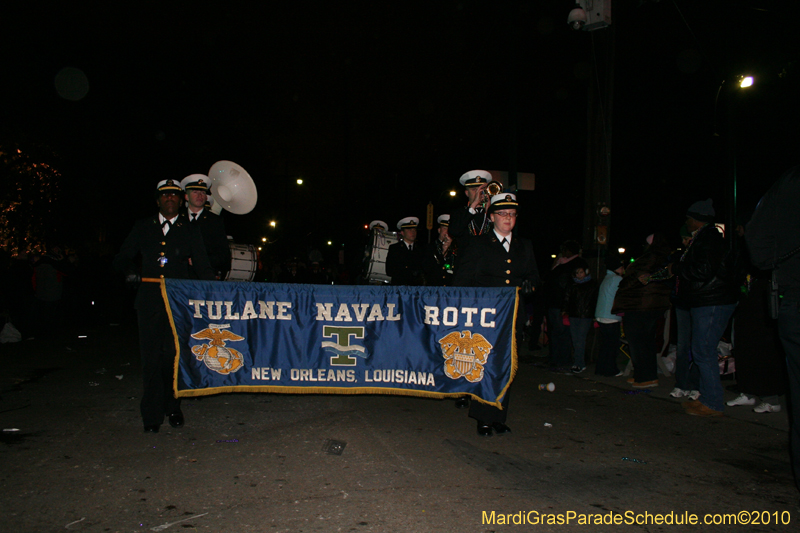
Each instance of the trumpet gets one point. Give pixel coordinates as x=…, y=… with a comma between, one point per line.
x=494, y=187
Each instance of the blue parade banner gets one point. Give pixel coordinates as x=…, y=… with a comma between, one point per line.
x=419, y=341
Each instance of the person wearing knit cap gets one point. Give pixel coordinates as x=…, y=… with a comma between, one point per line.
x=498, y=259
x=165, y=245
x=702, y=211
x=405, y=259
x=196, y=188
x=711, y=300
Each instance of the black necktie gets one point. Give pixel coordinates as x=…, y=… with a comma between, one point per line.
x=194, y=217
x=410, y=247
x=504, y=243
x=165, y=226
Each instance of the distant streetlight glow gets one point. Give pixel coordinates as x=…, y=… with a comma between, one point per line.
x=263, y=239
x=299, y=181
x=746, y=81
x=621, y=250
x=330, y=242
x=272, y=223
x=553, y=256
x=452, y=193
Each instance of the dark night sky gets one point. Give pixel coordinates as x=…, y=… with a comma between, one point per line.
x=381, y=107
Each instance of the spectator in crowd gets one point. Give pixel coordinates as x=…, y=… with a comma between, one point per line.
x=643, y=303
x=711, y=298
x=760, y=359
x=554, y=289
x=580, y=301
x=609, y=323
x=773, y=240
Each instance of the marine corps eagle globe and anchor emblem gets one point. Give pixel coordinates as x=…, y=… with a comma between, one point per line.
x=215, y=354
x=465, y=354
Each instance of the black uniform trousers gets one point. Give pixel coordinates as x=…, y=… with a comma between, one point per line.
x=157, y=350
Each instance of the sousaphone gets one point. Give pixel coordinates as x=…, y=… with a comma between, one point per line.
x=233, y=190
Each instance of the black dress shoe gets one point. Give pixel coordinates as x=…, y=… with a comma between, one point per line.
x=176, y=419
x=151, y=429
x=462, y=403
x=500, y=428
x=484, y=430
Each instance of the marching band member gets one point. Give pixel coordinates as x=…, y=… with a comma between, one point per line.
x=440, y=258
x=498, y=259
x=405, y=259
x=169, y=247
x=472, y=220
x=212, y=227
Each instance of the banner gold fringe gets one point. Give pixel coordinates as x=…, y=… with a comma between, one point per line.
x=332, y=390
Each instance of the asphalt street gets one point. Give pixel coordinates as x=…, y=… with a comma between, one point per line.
x=74, y=456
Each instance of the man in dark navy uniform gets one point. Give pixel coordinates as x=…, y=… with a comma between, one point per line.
x=212, y=227
x=469, y=222
x=405, y=260
x=473, y=219
x=498, y=259
x=440, y=256
x=169, y=247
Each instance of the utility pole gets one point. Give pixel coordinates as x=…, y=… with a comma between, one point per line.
x=592, y=15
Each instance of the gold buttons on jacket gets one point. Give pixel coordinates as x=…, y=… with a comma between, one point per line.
x=507, y=282
x=163, y=243
x=162, y=253
x=508, y=260
x=161, y=276
x=508, y=272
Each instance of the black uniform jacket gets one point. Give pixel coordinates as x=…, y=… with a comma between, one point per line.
x=405, y=266
x=163, y=256
x=212, y=227
x=485, y=263
x=460, y=220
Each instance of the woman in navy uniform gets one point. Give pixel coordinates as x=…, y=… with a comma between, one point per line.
x=498, y=259
x=169, y=247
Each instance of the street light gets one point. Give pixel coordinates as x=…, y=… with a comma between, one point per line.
x=621, y=250
x=743, y=82
x=299, y=181
x=272, y=223
x=263, y=239
x=452, y=193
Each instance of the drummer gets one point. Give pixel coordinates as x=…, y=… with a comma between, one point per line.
x=212, y=227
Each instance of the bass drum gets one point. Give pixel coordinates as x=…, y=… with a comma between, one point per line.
x=244, y=262
x=375, y=256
